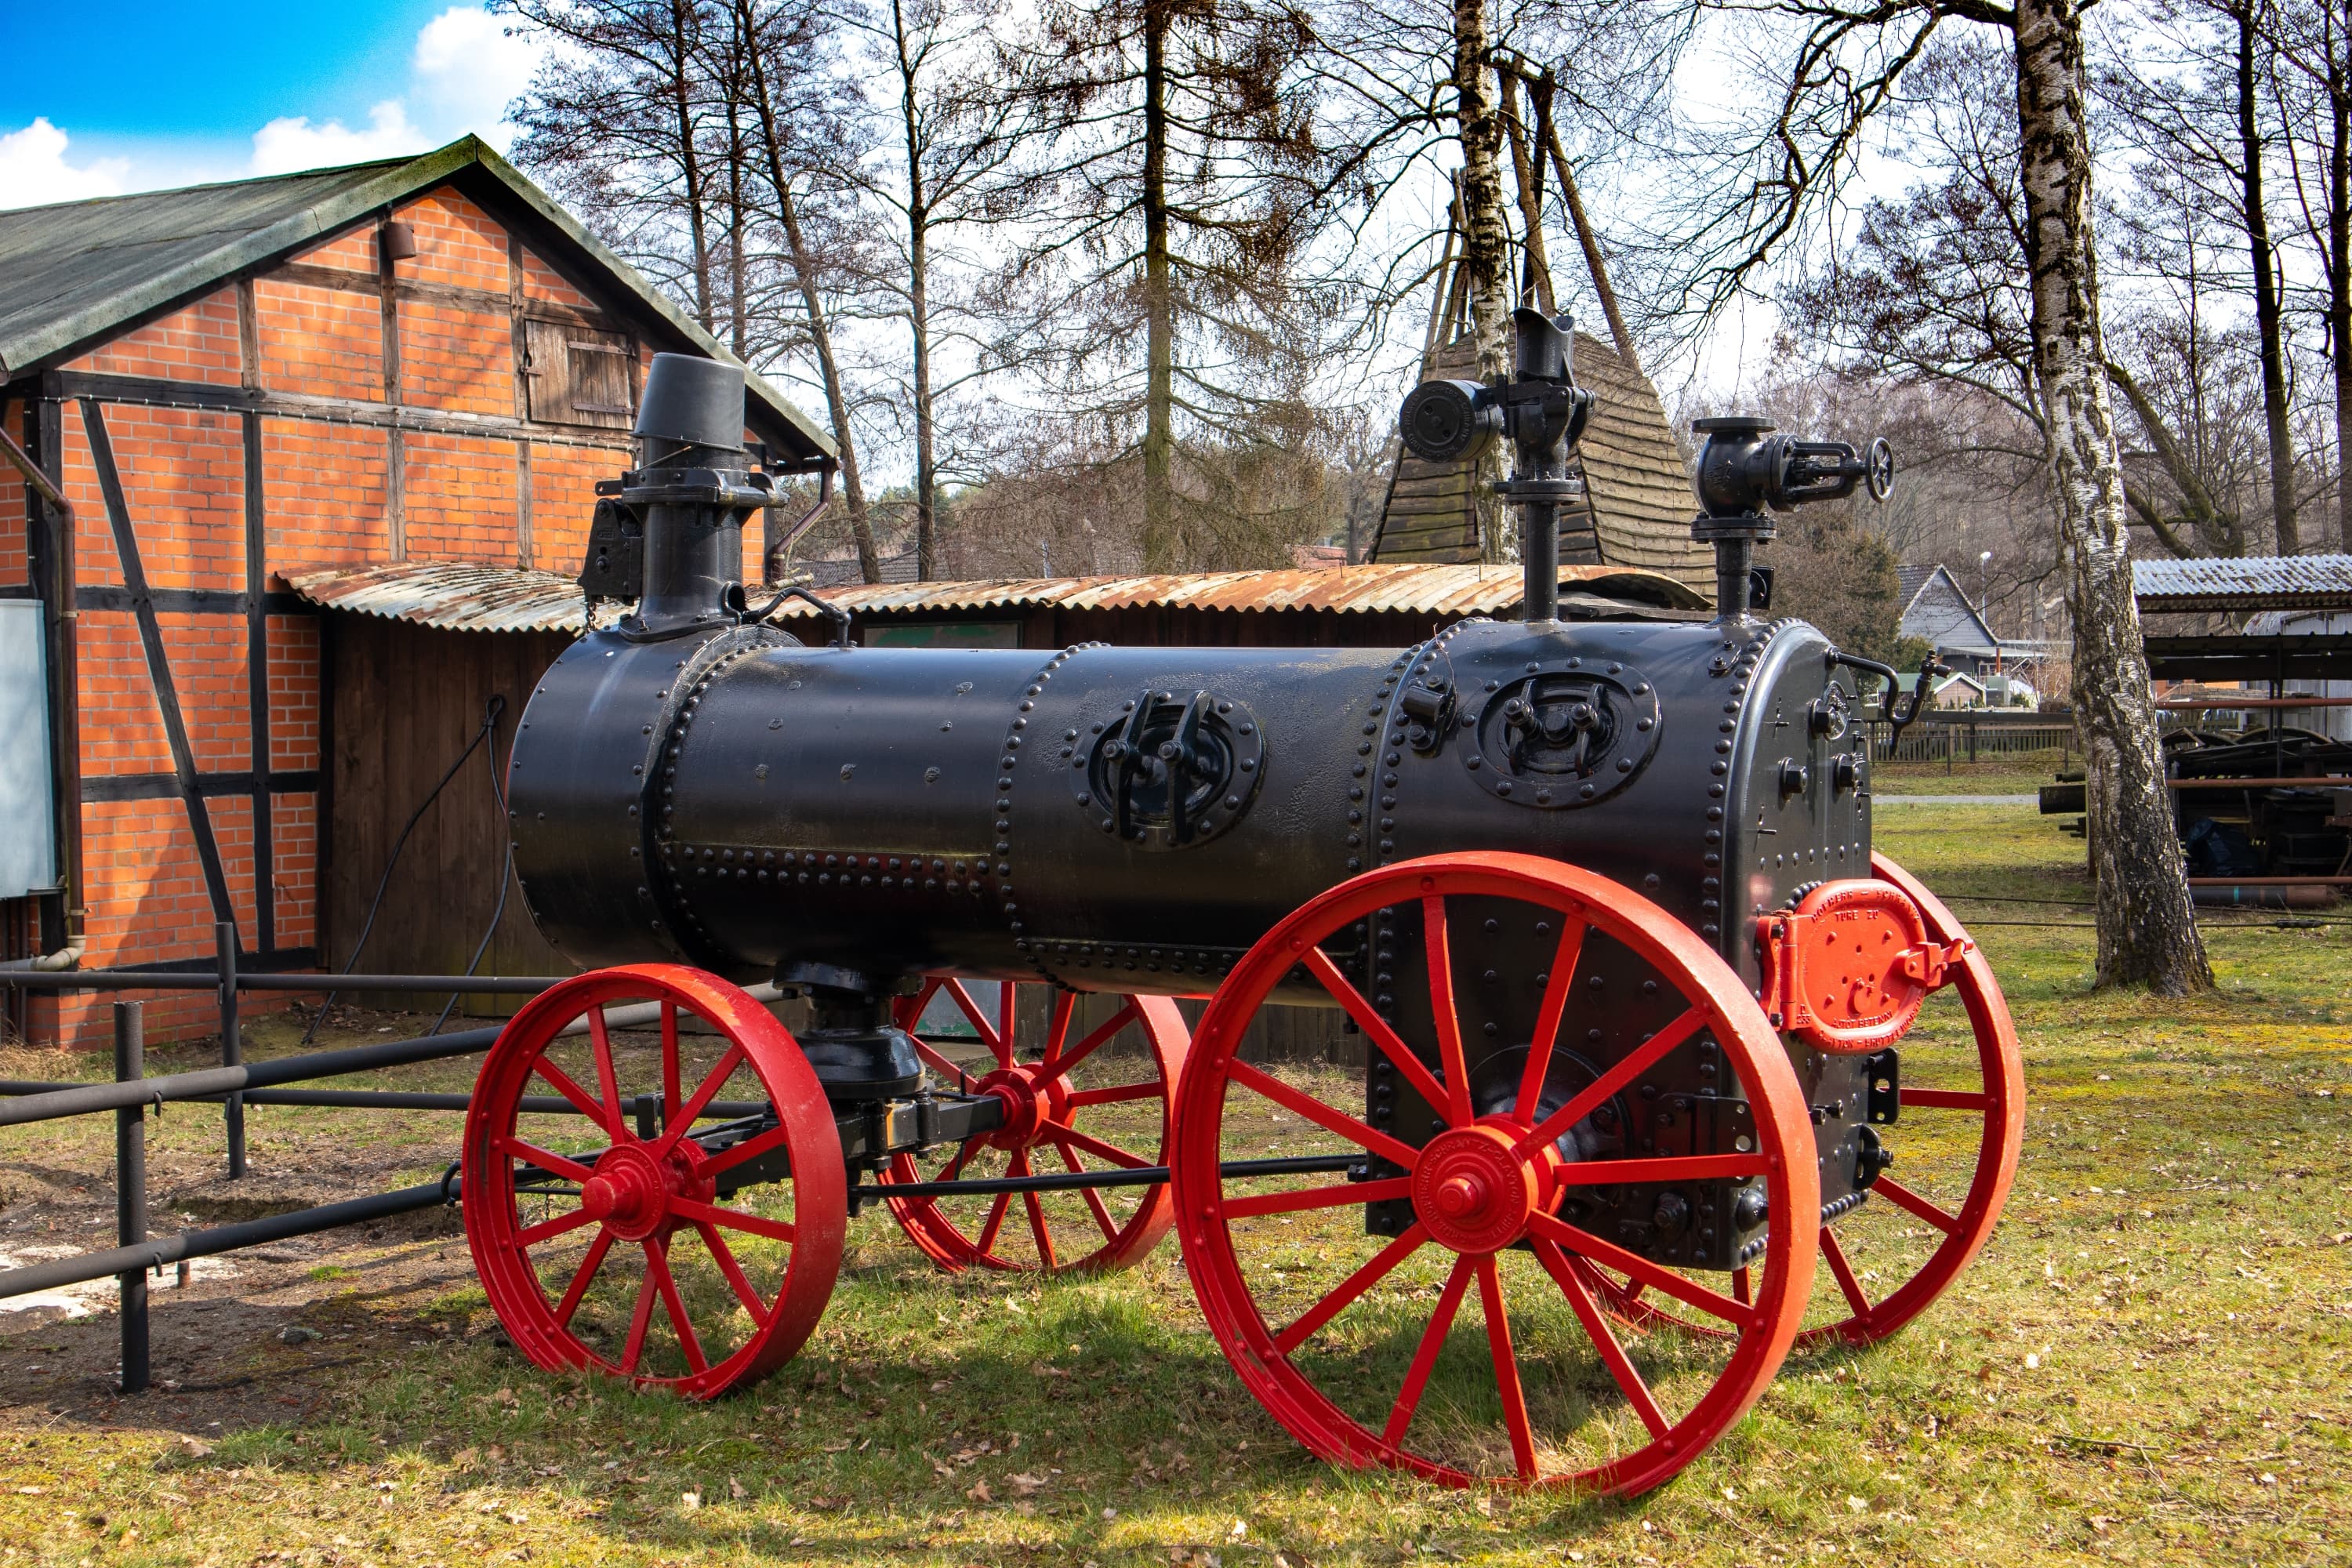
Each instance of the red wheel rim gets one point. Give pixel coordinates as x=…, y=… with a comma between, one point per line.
x=1478, y=1187
x=1868, y=1243
x=1079, y=1096
x=639, y=1266
x=1996, y=1099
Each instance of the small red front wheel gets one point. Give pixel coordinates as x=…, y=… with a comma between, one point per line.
x=602, y=1195
x=1351, y=1339
x=1077, y=1097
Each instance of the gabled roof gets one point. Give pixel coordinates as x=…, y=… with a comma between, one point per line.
x=78, y=272
x=1937, y=609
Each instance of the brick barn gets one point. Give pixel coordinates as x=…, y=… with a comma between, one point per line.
x=403, y=368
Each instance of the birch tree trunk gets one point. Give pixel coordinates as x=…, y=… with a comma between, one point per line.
x=820, y=331
x=1484, y=239
x=1162, y=543
x=2148, y=931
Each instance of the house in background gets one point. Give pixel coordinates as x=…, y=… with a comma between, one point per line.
x=391, y=386
x=1938, y=612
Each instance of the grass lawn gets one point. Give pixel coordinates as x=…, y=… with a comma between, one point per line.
x=2149, y=1363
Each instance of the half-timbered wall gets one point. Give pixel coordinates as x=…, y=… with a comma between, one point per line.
x=331, y=409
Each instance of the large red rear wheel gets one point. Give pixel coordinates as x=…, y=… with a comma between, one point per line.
x=1350, y=1341
x=1962, y=1130
x=605, y=1236
x=1078, y=1096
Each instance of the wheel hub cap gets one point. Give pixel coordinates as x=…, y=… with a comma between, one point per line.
x=1472, y=1191
x=629, y=1193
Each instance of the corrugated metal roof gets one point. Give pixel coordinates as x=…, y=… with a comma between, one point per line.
x=2244, y=582
x=1409, y=588
x=74, y=273
x=451, y=594
x=460, y=596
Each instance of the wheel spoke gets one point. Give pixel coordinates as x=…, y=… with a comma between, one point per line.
x=1945, y=1100
x=1669, y=1168
x=547, y=1231
x=610, y=1120
x=724, y=1255
x=1328, y=1118
x=608, y=1078
x=1037, y=1231
x=640, y=1319
x=1904, y=1198
x=1064, y=1065
x=1094, y=1198
x=1834, y=1255
x=1424, y=1359
x=1345, y=1294
x=1007, y=1017
x=1742, y=1287
x=734, y=1219
x=1440, y=953
x=1562, y=1269
x=751, y=1148
x=1507, y=1368
x=1304, y=1199
x=1085, y=1096
x=671, y=1068
x=685, y=1116
x=1547, y=1016
x=986, y=1245
x=540, y=1159
x=1376, y=1028
x=581, y=1277
x=658, y=1263
x=1644, y=1056
x=938, y=1063
x=1063, y=1132
x=1058, y=1025
x=1585, y=1244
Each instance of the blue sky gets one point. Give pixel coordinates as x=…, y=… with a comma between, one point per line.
x=101, y=98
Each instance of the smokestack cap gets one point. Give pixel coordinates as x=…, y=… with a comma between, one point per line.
x=694, y=400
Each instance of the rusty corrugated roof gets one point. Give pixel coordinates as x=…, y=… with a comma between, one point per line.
x=1409, y=588
x=452, y=595
x=460, y=596
x=2244, y=582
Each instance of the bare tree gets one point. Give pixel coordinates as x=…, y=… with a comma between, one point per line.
x=2311, y=43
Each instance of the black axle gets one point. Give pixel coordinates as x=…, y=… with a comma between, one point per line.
x=1079, y=1181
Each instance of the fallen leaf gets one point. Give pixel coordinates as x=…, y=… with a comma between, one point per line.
x=980, y=1492
x=735, y=1489
x=690, y=1499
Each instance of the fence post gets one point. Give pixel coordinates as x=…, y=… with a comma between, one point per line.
x=130, y=1190
x=232, y=1046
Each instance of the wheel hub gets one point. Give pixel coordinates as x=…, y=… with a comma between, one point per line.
x=1031, y=1100
x=631, y=1191
x=1473, y=1190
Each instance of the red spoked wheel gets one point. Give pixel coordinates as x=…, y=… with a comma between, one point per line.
x=1962, y=1130
x=630, y=1254
x=1930, y=1215
x=1077, y=1097
x=1350, y=1341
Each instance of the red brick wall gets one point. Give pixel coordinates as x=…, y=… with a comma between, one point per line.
x=461, y=498
x=326, y=489
x=198, y=344
x=457, y=242
x=183, y=478
x=12, y=568
x=353, y=250
x=325, y=341
x=456, y=359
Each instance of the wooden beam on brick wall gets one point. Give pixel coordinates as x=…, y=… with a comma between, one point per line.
x=454, y=296
x=256, y=686
x=159, y=663
x=155, y=392
x=167, y=786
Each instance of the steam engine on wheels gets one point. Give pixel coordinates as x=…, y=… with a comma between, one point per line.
x=1599, y=898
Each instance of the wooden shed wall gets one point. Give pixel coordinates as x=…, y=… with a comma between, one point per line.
x=402, y=701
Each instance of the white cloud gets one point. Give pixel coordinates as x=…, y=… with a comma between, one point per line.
x=466, y=68
x=292, y=143
x=463, y=72
x=33, y=170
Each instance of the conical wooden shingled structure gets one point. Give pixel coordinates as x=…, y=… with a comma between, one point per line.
x=1637, y=506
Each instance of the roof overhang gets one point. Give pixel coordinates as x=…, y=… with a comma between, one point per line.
x=2224, y=585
